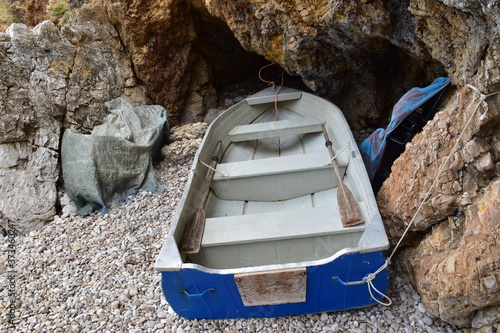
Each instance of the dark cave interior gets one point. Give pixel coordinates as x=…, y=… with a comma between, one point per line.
x=379, y=74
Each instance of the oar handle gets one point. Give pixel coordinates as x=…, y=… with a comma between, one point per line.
x=348, y=207
x=210, y=173
x=328, y=145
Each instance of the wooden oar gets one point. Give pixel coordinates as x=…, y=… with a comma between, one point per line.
x=193, y=233
x=348, y=208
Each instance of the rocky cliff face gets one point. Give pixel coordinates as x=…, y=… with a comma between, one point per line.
x=362, y=55
x=51, y=80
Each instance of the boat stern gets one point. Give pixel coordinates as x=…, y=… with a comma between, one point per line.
x=195, y=292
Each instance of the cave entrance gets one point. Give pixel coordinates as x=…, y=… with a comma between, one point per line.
x=373, y=79
x=233, y=71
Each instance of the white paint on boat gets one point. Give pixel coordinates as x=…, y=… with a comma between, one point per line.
x=273, y=200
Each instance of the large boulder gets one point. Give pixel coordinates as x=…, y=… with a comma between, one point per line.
x=451, y=197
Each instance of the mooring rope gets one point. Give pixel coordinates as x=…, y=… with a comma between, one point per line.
x=336, y=155
x=273, y=84
x=370, y=277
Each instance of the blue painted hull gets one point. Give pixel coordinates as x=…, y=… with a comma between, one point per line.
x=196, y=294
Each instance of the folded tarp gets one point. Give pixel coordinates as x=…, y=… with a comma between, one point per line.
x=373, y=149
x=115, y=160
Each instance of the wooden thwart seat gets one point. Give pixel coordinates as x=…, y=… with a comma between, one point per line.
x=276, y=178
x=274, y=128
x=277, y=225
x=275, y=165
x=269, y=96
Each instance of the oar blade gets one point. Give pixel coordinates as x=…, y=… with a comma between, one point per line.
x=348, y=208
x=193, y=233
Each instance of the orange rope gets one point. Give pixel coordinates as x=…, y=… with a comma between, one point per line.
x=272, y=82
x=276, y=96
x=260, y=71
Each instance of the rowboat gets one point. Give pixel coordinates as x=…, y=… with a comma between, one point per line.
x=261, y=229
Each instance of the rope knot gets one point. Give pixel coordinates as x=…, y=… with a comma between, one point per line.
x=369, y=277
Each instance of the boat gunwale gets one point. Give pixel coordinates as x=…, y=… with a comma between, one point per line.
x=273, y=267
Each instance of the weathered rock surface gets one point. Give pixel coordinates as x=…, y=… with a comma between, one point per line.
x=453, y=256
x=184, y=143
x=363, y=55
x=33, y=98
x=50, y=80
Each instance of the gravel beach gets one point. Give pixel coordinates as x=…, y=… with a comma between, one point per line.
x=95, y=274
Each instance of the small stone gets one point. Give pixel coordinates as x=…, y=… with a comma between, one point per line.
x=162, y=314
x=133, y=291
x=427, y=320
x=124, y=298
x=485, y=162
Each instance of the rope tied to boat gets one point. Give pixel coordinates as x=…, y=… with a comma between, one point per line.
x=329, y=143
x=273, y=84
x=215, y=158
x=368, y=279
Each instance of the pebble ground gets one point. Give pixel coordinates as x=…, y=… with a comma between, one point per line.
x=95, y=274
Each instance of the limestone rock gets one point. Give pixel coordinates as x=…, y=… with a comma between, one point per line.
x=362, y=55
x=48, y=81
x=28, y=187
x=33, y=98
x=100, y=71
x=451, y=251
x=487, y=320
x=456, y=267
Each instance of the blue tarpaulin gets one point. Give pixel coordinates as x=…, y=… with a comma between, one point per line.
x=372, y=149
